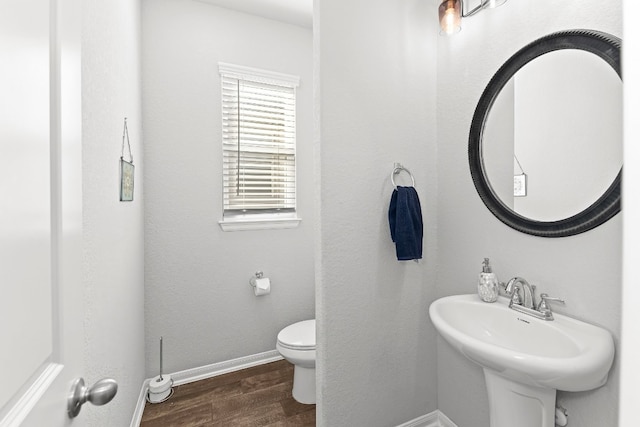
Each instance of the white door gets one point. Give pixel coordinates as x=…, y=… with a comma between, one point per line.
x=41, y=314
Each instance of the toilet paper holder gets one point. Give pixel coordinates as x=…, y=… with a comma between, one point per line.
x=258, y=275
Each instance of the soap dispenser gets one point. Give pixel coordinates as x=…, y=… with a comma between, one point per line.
x=487, y=283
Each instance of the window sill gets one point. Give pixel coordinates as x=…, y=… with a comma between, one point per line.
x=258, y=224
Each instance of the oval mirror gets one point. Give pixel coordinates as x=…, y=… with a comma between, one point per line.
x=545, y=146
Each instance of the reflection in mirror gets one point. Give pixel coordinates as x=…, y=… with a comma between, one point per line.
x=557, y=125
x=559, y=121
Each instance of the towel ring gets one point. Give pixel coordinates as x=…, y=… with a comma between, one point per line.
x=397, y=168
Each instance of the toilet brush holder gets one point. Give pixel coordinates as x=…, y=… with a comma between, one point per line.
x=160, y=387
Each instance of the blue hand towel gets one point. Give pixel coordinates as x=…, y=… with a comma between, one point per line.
x=405, y=222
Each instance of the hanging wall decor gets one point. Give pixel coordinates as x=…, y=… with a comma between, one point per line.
x=519, y=181
x=127, y=169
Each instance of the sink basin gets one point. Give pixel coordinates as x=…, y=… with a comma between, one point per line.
x=565, y=354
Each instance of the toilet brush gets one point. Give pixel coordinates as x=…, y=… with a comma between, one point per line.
x=160, y=386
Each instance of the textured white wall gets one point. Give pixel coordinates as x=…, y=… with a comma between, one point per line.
x=585, y=269
x=376, y=106
x=113, y=231
x=197, y=277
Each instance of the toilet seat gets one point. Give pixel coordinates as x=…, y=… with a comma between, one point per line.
x=300, y=336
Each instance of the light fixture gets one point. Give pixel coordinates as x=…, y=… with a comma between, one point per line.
x=451, y=13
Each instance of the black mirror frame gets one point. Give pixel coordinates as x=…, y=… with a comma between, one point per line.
x=608, y=48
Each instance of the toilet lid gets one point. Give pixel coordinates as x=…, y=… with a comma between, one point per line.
x=299, y=336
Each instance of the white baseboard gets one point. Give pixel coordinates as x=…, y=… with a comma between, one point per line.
x=432, y=419
x=142, y=399
x=445, y=421
x=204, y=372
x=215, y=369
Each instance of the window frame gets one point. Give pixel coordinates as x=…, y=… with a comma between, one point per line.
x=234, y=220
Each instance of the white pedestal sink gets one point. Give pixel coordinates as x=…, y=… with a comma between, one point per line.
x=525, y=360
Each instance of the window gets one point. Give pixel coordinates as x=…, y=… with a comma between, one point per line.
x=259, y=148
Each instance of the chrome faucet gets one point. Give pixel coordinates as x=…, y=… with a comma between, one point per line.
x=528, y=304
x=512, y=289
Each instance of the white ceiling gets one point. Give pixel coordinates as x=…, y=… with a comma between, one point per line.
x=297, y=12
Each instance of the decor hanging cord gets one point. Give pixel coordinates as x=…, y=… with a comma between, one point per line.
x=125, y=133
x=519, y=165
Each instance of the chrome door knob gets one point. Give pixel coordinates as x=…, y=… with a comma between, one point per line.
x=100, y=393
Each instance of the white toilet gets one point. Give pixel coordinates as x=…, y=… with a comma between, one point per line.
x=297, y=344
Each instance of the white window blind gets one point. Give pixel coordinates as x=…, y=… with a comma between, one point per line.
x=258, y=141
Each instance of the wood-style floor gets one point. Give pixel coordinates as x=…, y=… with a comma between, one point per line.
x=258, y=396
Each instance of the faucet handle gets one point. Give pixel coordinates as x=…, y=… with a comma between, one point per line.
x=515, y=296
x=543, y=307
